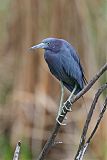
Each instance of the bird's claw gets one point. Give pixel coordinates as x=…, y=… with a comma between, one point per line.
x=64, y=110
x=65, y=118
x=57, y=119
x=67, y=109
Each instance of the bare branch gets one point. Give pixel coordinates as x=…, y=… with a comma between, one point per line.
x=98, y=121
x=17, y=151
x=82, y=152
x=83, y=145
x=56, y=128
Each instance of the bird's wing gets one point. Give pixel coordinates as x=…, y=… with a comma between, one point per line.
x=72, y=68
x=71, y=51
x=83, y=75
x=74, y=54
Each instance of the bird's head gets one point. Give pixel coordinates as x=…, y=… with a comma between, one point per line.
x=52, y=44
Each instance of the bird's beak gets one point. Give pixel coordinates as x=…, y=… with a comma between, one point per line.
x=40, y=45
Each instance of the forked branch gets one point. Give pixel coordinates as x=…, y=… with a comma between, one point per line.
x=83, y=143
x=56, y=128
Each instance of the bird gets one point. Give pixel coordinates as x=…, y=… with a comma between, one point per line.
x=64, y=63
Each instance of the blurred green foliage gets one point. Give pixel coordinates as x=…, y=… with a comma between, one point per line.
x=7, y=152
x=25, y=151
x=5, y=148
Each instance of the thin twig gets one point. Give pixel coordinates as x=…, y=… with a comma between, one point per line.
x=17, y=151
x=82, y=146
x=82, y=152
x=56, y=128
x=94, y=130
x=98, y=121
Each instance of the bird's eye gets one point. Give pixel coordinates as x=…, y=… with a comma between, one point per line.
x=48, y=43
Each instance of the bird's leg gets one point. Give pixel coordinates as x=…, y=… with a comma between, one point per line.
x=61, y=104
x=69, y=99
x=72, y=93
x=62, y=98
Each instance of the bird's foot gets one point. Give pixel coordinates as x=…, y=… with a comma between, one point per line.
x=61, y=115
x=57, y=119
x=65, y=118
x=67, y=108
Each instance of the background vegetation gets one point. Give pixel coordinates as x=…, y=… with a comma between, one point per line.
x=29, y=95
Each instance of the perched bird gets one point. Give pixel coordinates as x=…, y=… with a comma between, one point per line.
x=64, y=63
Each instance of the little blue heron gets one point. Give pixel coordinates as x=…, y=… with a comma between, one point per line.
x=64, y=64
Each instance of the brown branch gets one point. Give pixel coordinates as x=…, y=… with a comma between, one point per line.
x=82, y=146
x=56, y=128
x=82, y=152
x=98, y=121
x=17, y=151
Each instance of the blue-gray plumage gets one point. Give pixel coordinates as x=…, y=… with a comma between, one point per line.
x=64, y=63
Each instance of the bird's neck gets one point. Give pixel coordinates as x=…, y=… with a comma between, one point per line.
x=50, y=56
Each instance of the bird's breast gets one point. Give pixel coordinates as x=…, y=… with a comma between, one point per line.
x=53, y=61
x=51, y=58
